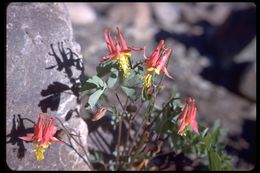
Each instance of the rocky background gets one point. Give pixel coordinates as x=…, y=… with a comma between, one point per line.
x=213, y=60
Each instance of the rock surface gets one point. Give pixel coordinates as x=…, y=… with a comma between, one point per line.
x=44, y=71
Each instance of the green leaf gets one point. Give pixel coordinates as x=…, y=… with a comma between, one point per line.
x=91, y=83
x=229, y=167
x=113, y=77
x=216, y=125
x=129, y=92
x=93, y=98
x=135, y=79
x=214, y=160
x=203, y=130
x=87, y=86
x=104, y=68
x=96, y=80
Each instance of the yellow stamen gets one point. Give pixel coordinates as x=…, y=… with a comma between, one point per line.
x=183, y=133
x=39, y=151
x=147, y=80
x=152, y=69
x=124, y=65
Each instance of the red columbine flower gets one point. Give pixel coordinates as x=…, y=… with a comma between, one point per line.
x=119, y=52
x=188, y=117
x=99, y=114
x=43, y=135
x=156, y=63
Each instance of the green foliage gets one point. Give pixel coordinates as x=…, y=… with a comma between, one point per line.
x=214, y=160
x=105, y=68
x=91, y=83
x=130, y=92
x=135, y=79
x=109, y=84
x=94, y=83
x=112, y=78
x=93, y=98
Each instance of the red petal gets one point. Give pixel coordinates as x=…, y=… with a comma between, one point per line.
x=153, y=58
x=194, y=126
x=38, y=129
x=29, y=137
x=181, y=127
x=193, y=111
x=108, y=41
x=184, y=113
x=167, y=73
x=136, y=48
x=100, y=113
x=193, y=118
x=122, y=40
x=162, y=61
x=54, y=139
x=112, y=44
x=108, y=57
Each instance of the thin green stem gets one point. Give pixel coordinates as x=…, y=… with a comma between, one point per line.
x=79, y=143
x=118, y=144
x=137, y=64
x=136, y=136
x=130, y=124
x=158, y=115
x=119, y=102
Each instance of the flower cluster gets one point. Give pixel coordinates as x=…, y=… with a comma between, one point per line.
x=155, y=64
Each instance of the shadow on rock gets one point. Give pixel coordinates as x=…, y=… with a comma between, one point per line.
x=53, y=100
x=228, y=76
x=18, y=130
x=244, y=145
x=66, y=61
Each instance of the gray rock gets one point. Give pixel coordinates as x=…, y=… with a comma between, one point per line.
x=101, y=7
x=247, y=54
x=168, y=15
x=81, y=13
x=247, y=85
x=143, y=29
x=122, y=13
x=44, y=70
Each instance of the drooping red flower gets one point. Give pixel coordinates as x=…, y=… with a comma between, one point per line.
x=188, y=117
x=44, y=131
x=99, y=114
x=119, y=51
x=156, y=63
x=157, y=60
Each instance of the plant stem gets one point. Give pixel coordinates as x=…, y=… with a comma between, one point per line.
x=119, y=102
x=137, y=64
x=71, y=136
x=118, y=143
x=126, y=102
x=130, y=124
x=173, y=98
